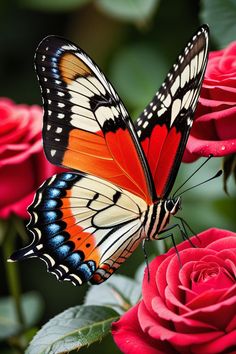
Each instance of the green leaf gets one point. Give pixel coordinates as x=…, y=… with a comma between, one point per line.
x=32, y=306
x=53, y=5
x=137, y=72
x=73, y=329
x=129, y=10
x=118, y=292
x=220, y=15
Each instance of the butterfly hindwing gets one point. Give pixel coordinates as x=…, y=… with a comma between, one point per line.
x=86, y=126
x=163, y=127
x=83, y=227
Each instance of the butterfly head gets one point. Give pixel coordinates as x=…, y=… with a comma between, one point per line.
x=173, y=205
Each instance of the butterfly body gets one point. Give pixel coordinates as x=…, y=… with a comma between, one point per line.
x=87, y=222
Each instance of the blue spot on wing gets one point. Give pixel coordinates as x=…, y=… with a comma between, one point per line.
x=49, y=204
x=63, y=251
x=75, y=259
x=60, y=184
x=48, y=216
x=68, y=176
x=52, y=229
x=84, y=271
x=52, y=192
x=56, y=241
x=92, y=265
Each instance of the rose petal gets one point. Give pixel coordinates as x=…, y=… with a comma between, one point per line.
x=219, y=345
x=129, y=337
x=218, y=314
x=205, y=148
x=187, y=324
x=157, y=331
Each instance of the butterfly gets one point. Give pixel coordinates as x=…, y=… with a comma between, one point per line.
x=86, y=222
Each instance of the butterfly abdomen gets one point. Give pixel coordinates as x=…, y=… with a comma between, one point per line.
x=155, y=219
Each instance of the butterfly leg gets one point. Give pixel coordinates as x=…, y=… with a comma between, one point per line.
x=146, y=257
x=171, y=235
x=184, y=225
x=183, y=231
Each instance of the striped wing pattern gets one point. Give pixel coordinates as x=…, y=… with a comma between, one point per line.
x=85, y=123
x=83, y=227
x=163, y=127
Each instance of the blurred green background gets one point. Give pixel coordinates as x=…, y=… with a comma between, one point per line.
x=134, y=42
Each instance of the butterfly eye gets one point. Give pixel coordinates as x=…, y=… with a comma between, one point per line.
x=170, y=204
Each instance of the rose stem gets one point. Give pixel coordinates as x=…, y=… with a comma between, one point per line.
x=12, y=271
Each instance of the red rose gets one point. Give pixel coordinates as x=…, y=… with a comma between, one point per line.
x=23, y=166
x=214, y=128
x=191, y=309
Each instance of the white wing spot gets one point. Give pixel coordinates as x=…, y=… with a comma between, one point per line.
x=175, y=109
x=139, y=122
x=175, y=86
x=193, y=67
x=175, y=67
x=61, y=115
x=145, y=124
x=58, y=130
x=53, y=152
x=167, y=101
x=189, y=121
x=161, y=111
x=200, y=60
x=150, y=115
x=185, y=76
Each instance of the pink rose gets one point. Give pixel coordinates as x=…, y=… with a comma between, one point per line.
x=23, y=166
x=214, y=128
x=191, y=309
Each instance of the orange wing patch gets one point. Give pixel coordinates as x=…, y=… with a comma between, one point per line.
x=112, y=157
x=71, y=66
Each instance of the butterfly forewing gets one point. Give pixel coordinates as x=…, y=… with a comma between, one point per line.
x=86, y=126
x=84, y=227
x=163, y=127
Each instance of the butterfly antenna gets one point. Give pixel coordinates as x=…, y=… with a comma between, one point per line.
x=218, y=174
x=146, y=258
x=209, y=157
